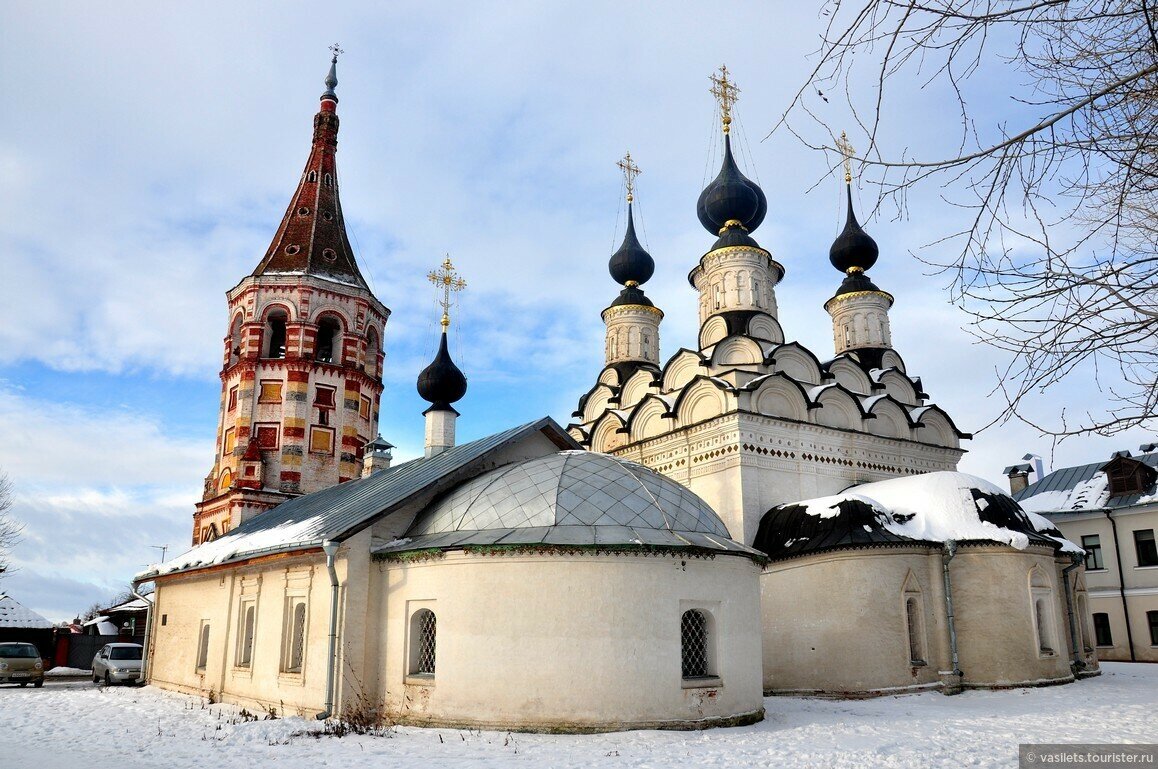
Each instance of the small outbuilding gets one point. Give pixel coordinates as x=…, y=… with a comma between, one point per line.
x=936, y=581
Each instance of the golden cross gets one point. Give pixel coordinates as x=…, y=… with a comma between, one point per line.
x=846, y=149
x=726, y=94
x=449, y=280
x=630, y=171
x=334, y=49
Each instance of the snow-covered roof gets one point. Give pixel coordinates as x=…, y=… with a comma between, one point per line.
x=932, y=507
x=15, y=615
x=103, y=625
x=133, y=604
x=339, y=511
x=1082, y=487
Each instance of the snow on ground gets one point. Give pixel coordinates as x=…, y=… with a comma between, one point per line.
x=74, y=723
x=62, y=672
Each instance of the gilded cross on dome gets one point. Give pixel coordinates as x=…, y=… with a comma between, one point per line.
x=630, y=171
x=448, y=279
x=846, y=149
x=726, y=94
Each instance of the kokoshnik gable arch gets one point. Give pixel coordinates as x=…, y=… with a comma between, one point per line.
x=744, y=418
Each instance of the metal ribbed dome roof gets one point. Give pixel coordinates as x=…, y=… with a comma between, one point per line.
x=570, y=498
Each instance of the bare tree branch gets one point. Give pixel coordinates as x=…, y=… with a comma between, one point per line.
x=1054, y=260
x=9, y=528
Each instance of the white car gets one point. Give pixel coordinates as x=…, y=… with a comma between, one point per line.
x=118, y=663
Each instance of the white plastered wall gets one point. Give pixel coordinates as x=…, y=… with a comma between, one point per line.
x=568, y=642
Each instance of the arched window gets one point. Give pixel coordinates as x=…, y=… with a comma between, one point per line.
x=203, y=646
x=245, y=639
x=1041, y=597
x=1041, y=618
x=329, y=340
x=312, y=176
x=275, y=334
x=373, y=347
x=423, y=638
x=1083, y=613
x=235, y=341
x=695, y=644
x=294, y=635
x=913, y=624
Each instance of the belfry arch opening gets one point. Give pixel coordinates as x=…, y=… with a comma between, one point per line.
x=275, y=335
x=329, y=339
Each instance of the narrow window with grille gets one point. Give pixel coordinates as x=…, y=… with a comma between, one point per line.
x=245, y=640
x=423, y=642
x=294, y=639
x=694, y=644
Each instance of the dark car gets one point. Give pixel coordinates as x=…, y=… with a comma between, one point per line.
x=20, y=663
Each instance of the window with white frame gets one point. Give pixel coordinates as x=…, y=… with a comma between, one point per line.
x=695, y=644
x=423, y=642
x=294, y=634
x=247, y=628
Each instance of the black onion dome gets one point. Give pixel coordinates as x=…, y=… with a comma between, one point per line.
x=731, y=196
x=853, y=249
x=632, y=295
x=441, y=382
x=855, y=281
x=735, y=236
x=631, y=262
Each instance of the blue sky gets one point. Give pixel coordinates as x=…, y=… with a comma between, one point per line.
x=148, y=154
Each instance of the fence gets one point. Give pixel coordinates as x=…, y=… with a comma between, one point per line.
x=82, y=648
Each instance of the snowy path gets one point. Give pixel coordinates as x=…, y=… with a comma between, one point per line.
x=70, y=724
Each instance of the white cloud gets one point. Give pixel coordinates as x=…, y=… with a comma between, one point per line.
x=94, y=492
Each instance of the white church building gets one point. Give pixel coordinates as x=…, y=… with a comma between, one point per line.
x=652, y=565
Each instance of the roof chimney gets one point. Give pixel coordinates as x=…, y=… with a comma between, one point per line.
x=1018, y=477
x=1038, y=469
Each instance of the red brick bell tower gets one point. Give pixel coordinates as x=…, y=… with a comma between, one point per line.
x=302, y=371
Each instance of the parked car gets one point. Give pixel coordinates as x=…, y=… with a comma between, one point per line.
x=20, y=663
x=118, y=663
